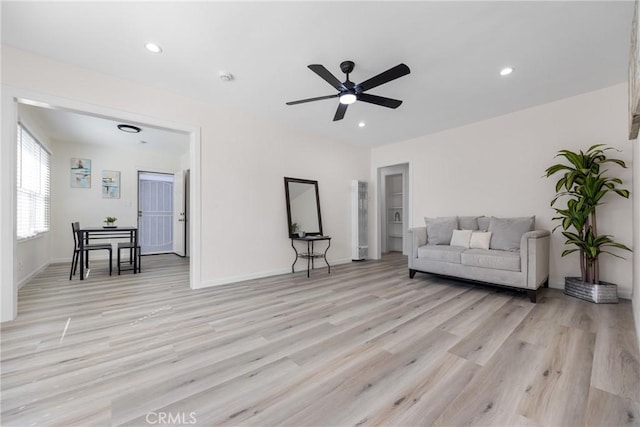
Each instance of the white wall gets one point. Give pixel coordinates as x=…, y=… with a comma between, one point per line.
x=243, y=162
x=495, y=167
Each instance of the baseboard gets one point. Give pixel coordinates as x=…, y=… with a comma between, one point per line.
x=259, y=275
x=31, y=275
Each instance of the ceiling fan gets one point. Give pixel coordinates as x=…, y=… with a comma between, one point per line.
x=350, y=92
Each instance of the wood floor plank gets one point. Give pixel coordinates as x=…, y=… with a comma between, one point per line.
x=482, y=343
x=554, y=397
x=606, y=409
x=617, y=362
x=494, y=394
x=422, y=402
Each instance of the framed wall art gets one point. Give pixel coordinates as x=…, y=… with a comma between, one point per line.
x=110, y=184
x=80, y=173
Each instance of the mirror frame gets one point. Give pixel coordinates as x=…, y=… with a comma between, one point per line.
x=287, y=180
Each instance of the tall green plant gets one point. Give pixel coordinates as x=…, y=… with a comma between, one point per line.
x=584, y=185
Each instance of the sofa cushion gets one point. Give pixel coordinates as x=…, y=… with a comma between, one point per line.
x=507, y=232
x=440, y=230
x=461, y=238
x=441, y=253
x=468, y=223
x=483, y=223
x=495, y=259
x=480, y=239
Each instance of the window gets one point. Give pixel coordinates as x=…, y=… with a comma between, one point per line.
x=33, y=185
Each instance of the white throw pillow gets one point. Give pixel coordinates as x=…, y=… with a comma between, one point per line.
x=461, y=238
x=480, y=240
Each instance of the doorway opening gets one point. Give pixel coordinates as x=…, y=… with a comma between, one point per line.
x=393, y=209
x=12, y=272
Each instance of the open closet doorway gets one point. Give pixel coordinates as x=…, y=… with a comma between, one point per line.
x=393, y=208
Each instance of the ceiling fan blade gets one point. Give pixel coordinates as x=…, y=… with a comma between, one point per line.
x=326, y=75
x=379, y=100
x=385, y=77
x=319, y=98
x=342, y=108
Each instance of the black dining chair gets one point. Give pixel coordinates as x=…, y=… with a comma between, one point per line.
x=135, y=256
x=75, y=226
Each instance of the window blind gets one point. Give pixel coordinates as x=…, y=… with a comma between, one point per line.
x=33, y=186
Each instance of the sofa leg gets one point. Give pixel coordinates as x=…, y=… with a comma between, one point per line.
x=411, y=273
x=532, y=295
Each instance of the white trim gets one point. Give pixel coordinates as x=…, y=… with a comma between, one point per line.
x=10, y=97
x=195, y=215
x=270, y=273
x=33, y=274
x=8, y=242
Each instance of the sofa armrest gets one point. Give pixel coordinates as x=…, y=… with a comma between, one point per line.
x=418, y=237
x=534, y=253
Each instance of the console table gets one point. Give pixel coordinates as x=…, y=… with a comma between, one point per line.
x=310, y=255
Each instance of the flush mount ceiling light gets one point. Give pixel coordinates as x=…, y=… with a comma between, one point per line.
x=361, y=124
x=152, y=47
x=506, y=71
x=129, y=128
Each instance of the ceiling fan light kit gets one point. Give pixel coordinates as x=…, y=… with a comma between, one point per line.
x=350, y=92
x=348, y=98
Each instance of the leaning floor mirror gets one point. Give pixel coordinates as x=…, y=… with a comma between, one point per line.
x=303, y=207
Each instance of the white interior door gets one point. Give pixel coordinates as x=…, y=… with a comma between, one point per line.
x=155, y=212
x=179, y=219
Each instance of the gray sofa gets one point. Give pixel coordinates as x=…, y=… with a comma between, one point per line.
x=517, y=257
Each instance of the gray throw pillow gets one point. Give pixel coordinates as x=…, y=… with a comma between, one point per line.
x=507, y=232
x=468, y=223
x=440, y=230
x=483, y=223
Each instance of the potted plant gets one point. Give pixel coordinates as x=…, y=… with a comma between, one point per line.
x=110, y=220
x=584, y=186
x=295, y=229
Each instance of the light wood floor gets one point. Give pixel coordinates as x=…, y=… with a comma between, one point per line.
x=362, y=346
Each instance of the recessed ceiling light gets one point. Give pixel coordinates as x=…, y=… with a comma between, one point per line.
x=361, y=124
x=506, y=71
x=152, y=47
x=129, y=128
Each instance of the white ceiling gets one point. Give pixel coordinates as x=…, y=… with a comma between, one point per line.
x=454, y=49
x=69, y=126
